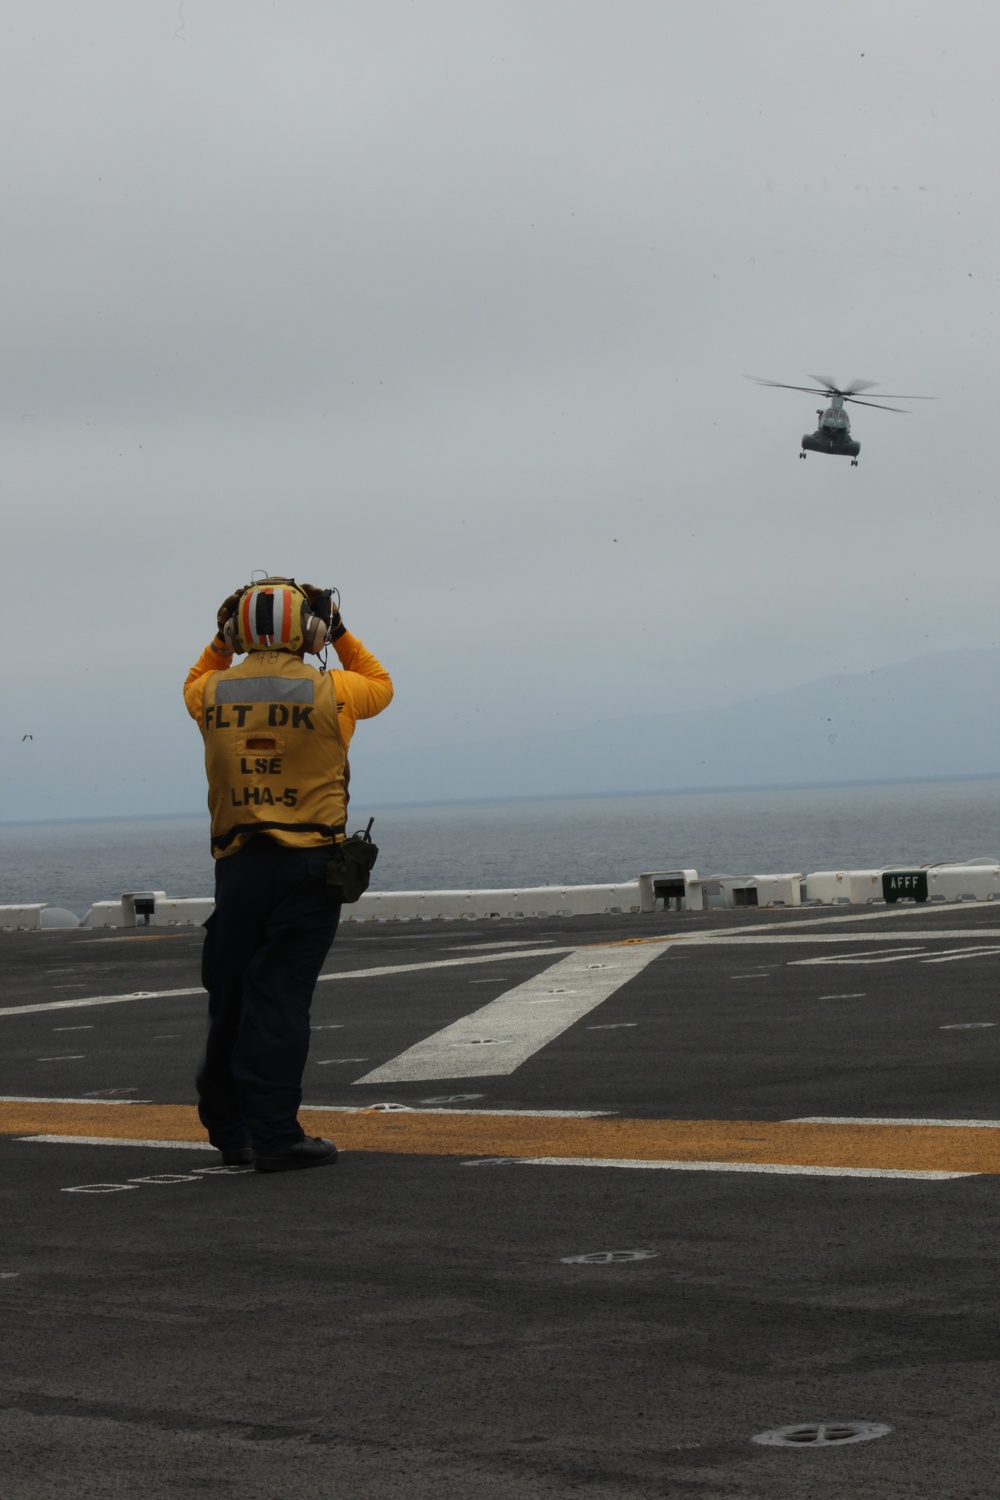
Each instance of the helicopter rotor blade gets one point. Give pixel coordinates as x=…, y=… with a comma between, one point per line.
x=878, y=405
x=827, y=384
x=779, y=385
x=849, y=393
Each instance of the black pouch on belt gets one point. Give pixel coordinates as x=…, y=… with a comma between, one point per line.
x=350, y=866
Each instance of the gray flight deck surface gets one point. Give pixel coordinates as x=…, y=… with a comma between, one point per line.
x=407, y=1324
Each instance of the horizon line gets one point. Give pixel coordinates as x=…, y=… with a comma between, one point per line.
x=602, y=796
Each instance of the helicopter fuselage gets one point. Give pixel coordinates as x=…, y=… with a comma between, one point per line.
x=833, y=434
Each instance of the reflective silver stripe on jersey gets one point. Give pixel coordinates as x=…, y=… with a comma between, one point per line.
x=264, y=690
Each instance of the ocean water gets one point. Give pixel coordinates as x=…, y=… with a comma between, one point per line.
x=576, y=841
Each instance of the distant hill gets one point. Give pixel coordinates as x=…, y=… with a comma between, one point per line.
x=933, y=716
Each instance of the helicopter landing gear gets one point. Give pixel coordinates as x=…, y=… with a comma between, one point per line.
x=802, y=455
x=854, y=463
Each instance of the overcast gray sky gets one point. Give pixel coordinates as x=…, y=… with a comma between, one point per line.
x=449, y=304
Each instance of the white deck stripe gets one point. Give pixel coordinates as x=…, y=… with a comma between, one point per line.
x=376, y=973
x=28, y=1010
x=452, y=963
x=468, y=1114
x=737, y=1166
x=108, y=1140
x=499, y=1037
x=720, y=936
x=739, y=937
x=566, y=1161
x=901, y=956
x=958, y=954
x=880, y=914
x=888, y=1120
x=49, y=1099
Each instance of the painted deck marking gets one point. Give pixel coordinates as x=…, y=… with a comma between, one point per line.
x=894, y=1120
x=50, y=1099
x=766, y=936
x=383, y=971
x=803, y=934
x=733, y=1166
x=30, y=1010
x=102, y=1187
x=932, y=1149
x=876, y=956
x=111, y=1140
x=608, y=1257
x=516, y=1025
x=956, y=954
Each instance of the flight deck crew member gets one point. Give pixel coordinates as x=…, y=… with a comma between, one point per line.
x=276, y=733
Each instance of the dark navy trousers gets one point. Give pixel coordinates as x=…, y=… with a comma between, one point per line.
x=264, y=948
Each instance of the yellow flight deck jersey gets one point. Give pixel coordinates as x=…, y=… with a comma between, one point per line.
x=276, y=735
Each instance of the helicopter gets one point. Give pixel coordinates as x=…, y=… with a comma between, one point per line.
x=833, y=431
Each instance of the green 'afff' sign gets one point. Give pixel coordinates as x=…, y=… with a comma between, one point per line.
x=908, y=885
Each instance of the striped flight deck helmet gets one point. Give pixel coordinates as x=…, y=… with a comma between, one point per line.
x=275, y=615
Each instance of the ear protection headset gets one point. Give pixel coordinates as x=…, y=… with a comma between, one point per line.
x=275, y=615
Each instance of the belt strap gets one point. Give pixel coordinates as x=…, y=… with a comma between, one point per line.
x=223, y=840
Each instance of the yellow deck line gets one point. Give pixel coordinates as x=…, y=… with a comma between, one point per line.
x=792, y=1143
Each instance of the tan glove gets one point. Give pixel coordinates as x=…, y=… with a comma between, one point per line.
x=226, y=620
x=321, y=603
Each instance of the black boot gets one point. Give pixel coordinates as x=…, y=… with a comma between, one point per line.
x=311, y=1151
